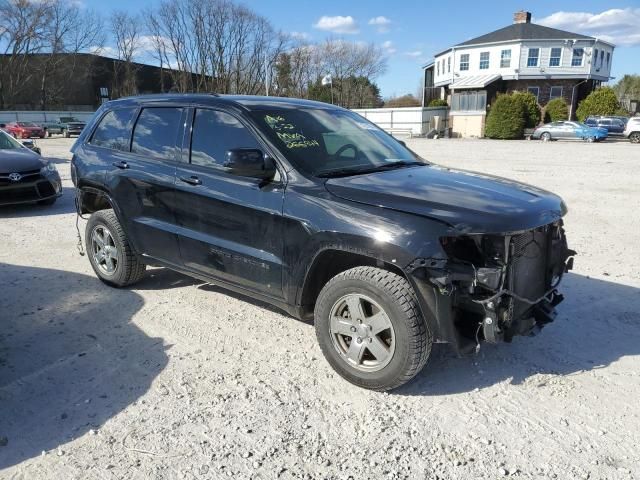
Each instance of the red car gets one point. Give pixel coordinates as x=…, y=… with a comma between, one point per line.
x=24, y=130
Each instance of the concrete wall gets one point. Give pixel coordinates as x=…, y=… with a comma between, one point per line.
x=417, y=119
x=7, y=116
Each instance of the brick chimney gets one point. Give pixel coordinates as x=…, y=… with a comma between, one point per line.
x=522, y=17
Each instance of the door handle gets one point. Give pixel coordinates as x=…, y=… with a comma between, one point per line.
x=122, y=164
x=192, y=180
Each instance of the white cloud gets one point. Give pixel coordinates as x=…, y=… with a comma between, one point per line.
x=388, y=47
x=620, y=26
x=414, y=54
x=337, y=24
x=381, y=23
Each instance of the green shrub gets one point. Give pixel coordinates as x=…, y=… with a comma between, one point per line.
x=556, y=110
x=602, y=101
x=438, y=102
x=506, y=118
x=532, y=110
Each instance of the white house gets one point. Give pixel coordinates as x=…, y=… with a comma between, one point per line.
x=547, y=62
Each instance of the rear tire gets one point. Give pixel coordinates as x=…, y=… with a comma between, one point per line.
x=634, y=137
x=110, y=253
x=545, y=137
x=387, y=315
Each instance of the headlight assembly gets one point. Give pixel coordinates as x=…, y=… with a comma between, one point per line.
x=48, y=168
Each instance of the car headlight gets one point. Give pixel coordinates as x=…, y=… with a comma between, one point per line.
x=48, y=168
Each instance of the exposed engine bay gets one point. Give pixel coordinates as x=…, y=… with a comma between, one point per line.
x=500, y=285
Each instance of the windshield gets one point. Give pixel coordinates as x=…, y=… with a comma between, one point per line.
x=328, y=143
x=26, y=124
x=68, y=119
x=7, y=142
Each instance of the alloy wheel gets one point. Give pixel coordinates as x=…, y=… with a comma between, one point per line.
x=634, y=137
x=104, y=250
x=362, y=332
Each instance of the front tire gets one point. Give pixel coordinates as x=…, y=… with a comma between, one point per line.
x=370, y=329
x=110, y=253
x=545, y=137
x=634, y=137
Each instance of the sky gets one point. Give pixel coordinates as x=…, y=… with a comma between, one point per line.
x=412, y=31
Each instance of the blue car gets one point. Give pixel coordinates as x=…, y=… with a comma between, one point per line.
x=569, y=130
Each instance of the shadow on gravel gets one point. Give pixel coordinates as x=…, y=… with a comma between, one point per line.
x=598, y=323
x=64, y=204
x=70, y=358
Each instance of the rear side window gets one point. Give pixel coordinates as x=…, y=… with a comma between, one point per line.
x=214, y=133
x=114, y=129
x=156, y=132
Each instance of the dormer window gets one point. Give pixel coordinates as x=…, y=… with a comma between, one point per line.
x=555, y=56
x=532, y=59
x=578, y=55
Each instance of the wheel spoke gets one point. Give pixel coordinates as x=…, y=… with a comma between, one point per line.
x=341, y=326
x=110, y=264
x=378, y=322
x=378, y=349
x=97, y=238
x=355, y=351
x=354, y=303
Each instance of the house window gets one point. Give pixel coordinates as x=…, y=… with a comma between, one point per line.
x=535, y=91
x=554, y=57
x=608, y=58
x=595, y=58
x=532, y=60
x=505, y=59
x=449, y=65
x=484, y=60
x=556, y=92
x=601, y=58
x=475, y=101
x=578, y=55
x=464, y=61
x=438, y=68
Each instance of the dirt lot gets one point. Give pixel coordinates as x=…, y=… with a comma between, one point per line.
x=179, y=379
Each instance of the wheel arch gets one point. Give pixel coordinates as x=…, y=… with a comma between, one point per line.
x=329, y=262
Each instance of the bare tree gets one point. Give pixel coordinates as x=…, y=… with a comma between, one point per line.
x=126, y=34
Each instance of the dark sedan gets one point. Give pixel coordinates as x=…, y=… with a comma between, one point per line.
x=26, y=177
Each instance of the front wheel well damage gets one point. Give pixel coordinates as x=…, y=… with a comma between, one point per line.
x=329, y=263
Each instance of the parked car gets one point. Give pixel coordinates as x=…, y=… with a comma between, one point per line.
x=24, y=130
x=614, y=125
x=312, y=208
x=632, y=131
x=569, y=131
x=66, y=126
x=26, y=177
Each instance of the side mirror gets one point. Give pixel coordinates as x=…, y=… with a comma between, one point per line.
x=250, y=162
x=402, y=142
x=2, y=125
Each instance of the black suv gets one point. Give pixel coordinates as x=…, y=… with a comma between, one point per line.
x=314, y=209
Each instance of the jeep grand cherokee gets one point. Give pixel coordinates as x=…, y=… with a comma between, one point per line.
x=314, y=209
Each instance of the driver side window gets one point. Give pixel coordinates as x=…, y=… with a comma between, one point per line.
x=213, y=134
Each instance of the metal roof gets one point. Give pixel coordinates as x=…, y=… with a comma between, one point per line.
x=475, y=81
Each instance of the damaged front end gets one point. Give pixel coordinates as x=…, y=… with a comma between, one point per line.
x=492, y=287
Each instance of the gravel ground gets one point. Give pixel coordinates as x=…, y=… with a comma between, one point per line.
x=179, y=379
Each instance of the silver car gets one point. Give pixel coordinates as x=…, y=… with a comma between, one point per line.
x=568, y=130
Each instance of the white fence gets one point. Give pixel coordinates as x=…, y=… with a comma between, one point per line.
x=36, y=116
x=412, y=120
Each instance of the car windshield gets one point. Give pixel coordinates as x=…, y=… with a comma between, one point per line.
x=332, y=142
x=68, y=119
x=26, y=124
x=7, y=142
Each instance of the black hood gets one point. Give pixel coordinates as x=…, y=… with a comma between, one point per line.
x=470, y=202
x=20, y=160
